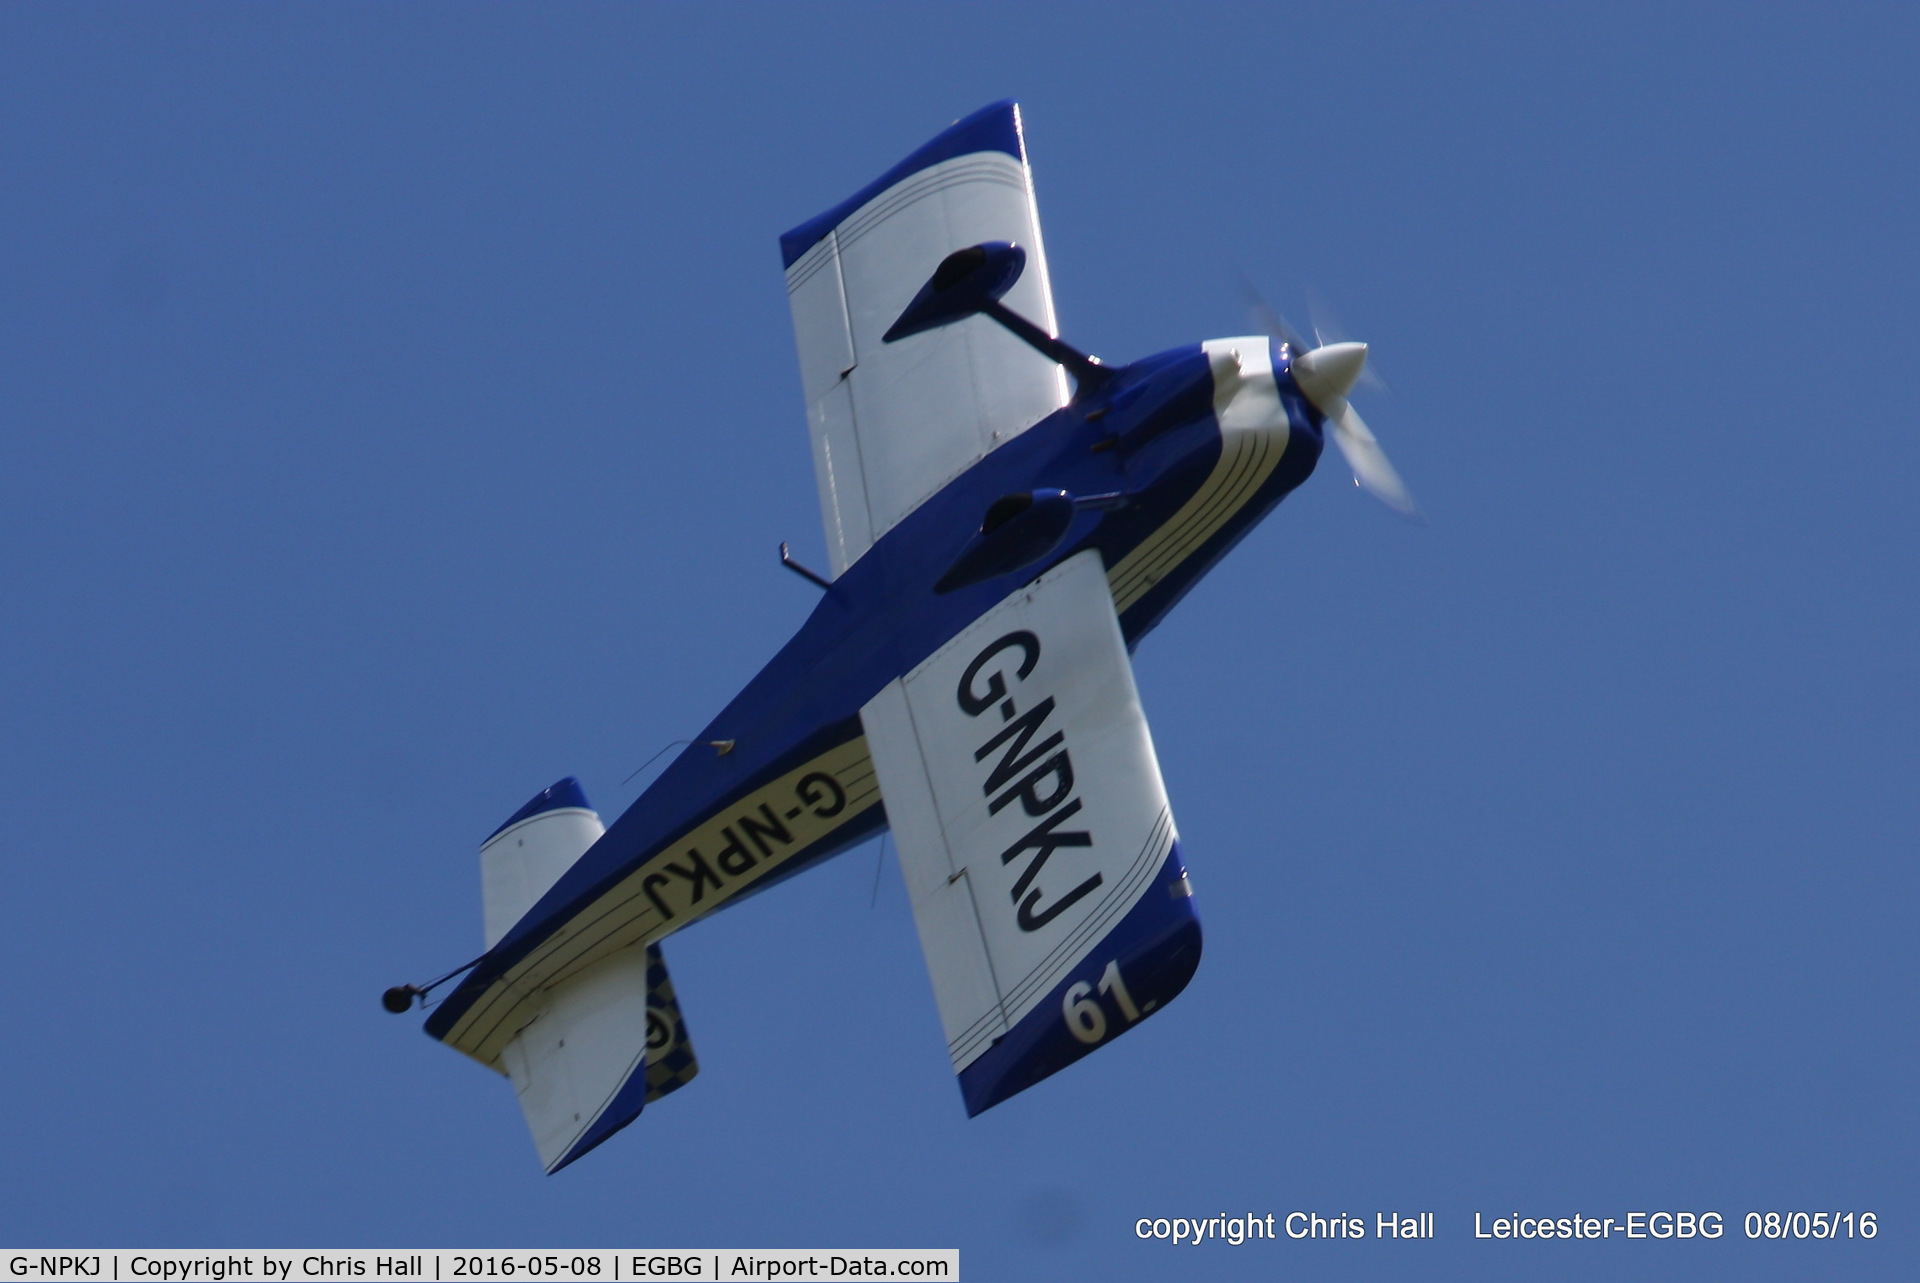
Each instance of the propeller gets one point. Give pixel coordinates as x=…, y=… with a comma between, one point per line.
x=1326, y=373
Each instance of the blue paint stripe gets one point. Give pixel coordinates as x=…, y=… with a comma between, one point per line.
x=994, y=128
x=566, y=793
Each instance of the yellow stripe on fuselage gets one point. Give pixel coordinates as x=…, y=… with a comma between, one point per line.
x=711, y=864
x=1247, y=459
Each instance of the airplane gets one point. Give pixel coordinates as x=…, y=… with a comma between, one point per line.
x=1006, y=517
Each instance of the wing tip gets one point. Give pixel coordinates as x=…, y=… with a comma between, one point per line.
x=1149, y=957
x=995, y=127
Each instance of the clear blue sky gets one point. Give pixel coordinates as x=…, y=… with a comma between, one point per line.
x=398, y=411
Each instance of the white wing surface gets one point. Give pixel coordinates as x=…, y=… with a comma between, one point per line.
x=1034, y=833
x=893, y=423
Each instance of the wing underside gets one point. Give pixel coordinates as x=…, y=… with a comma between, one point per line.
x=1034, y=833
x=892, y=423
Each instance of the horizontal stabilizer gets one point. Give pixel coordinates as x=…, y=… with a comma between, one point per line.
x=528, y=853
x=607, y=1042
x=603, y=1042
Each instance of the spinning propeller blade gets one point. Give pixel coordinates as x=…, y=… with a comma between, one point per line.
x=1271, y=323
x=1327, y=372
x=1371, y=468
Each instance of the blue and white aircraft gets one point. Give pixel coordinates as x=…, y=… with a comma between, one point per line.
x=1006, y=517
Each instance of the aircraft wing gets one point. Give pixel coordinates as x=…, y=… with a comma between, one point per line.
x=1034, y=834
x=893, y=423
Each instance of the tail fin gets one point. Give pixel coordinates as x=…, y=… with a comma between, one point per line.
x=577, y=1067
x=670, y=1061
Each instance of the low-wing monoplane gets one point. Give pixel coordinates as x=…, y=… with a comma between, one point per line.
x=1006, y=517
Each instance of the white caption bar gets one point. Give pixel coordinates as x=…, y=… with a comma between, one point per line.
x=479, y=1265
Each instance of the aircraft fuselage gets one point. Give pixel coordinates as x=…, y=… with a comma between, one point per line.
x=795, y=786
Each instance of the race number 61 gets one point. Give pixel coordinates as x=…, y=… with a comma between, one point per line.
x=1086, y=1020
